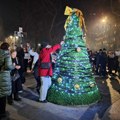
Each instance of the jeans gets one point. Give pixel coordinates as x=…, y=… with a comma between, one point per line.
x=45, y=84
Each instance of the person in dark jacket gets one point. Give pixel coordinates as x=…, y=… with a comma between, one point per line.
x=20, y=56
x=116, y=63
x=110, y=62
x=16, y=84
x=98, y=58
x=103, y=62
x=46, y=73
x=5, y=79
x=26, y=58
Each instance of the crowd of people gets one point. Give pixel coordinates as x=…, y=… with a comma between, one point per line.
x=16, y=61
x=105, y=62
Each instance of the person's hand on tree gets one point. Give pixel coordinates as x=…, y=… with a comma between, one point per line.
x=48, y=46
x=62, y=42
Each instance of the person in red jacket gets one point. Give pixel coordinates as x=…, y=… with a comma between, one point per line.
x=45, y=68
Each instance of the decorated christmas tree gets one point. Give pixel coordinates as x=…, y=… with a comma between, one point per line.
x=73, y=81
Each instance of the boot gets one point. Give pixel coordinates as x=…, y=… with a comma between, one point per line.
x=16, y=97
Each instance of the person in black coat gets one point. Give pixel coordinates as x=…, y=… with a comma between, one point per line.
x=110, y=62
x=116, y=63
x=16, y=84
x=20, y=56
x=98, y=61
x=103, y=63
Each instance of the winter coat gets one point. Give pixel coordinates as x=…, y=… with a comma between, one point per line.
x=116, y=63
x=17, y=84
x=111, y=61
x=5, y=78
x=102, y=59
x=20, y=56
x=45, y=56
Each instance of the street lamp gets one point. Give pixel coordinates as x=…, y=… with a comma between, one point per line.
x=11, y=37
x=104, y=19
x=104, y=24
x=39, y=44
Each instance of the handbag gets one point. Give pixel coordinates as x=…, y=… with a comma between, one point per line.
x=45, y=65
x=15, y=76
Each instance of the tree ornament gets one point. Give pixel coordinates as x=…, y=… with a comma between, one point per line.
x=92, y=84
x=59, y=80
x=77, y=86
x=78, y=49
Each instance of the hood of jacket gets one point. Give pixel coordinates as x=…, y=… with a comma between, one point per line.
x=3, y=54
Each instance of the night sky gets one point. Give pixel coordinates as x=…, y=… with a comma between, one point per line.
x=44, y=19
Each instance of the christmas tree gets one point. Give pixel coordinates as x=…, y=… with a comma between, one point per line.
x=73, y=81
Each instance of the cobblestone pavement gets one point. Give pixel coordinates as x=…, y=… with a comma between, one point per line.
x=106, y=109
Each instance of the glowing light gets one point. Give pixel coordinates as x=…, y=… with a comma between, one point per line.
x=104, y=19
x=16, y=37
x=39, y=44
x=11, y=37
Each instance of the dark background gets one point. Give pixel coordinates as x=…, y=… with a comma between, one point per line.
x=44, y=19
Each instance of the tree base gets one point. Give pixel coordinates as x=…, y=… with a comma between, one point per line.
x=60, y=98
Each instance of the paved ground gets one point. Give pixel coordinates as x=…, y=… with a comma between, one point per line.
x=29, y=109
